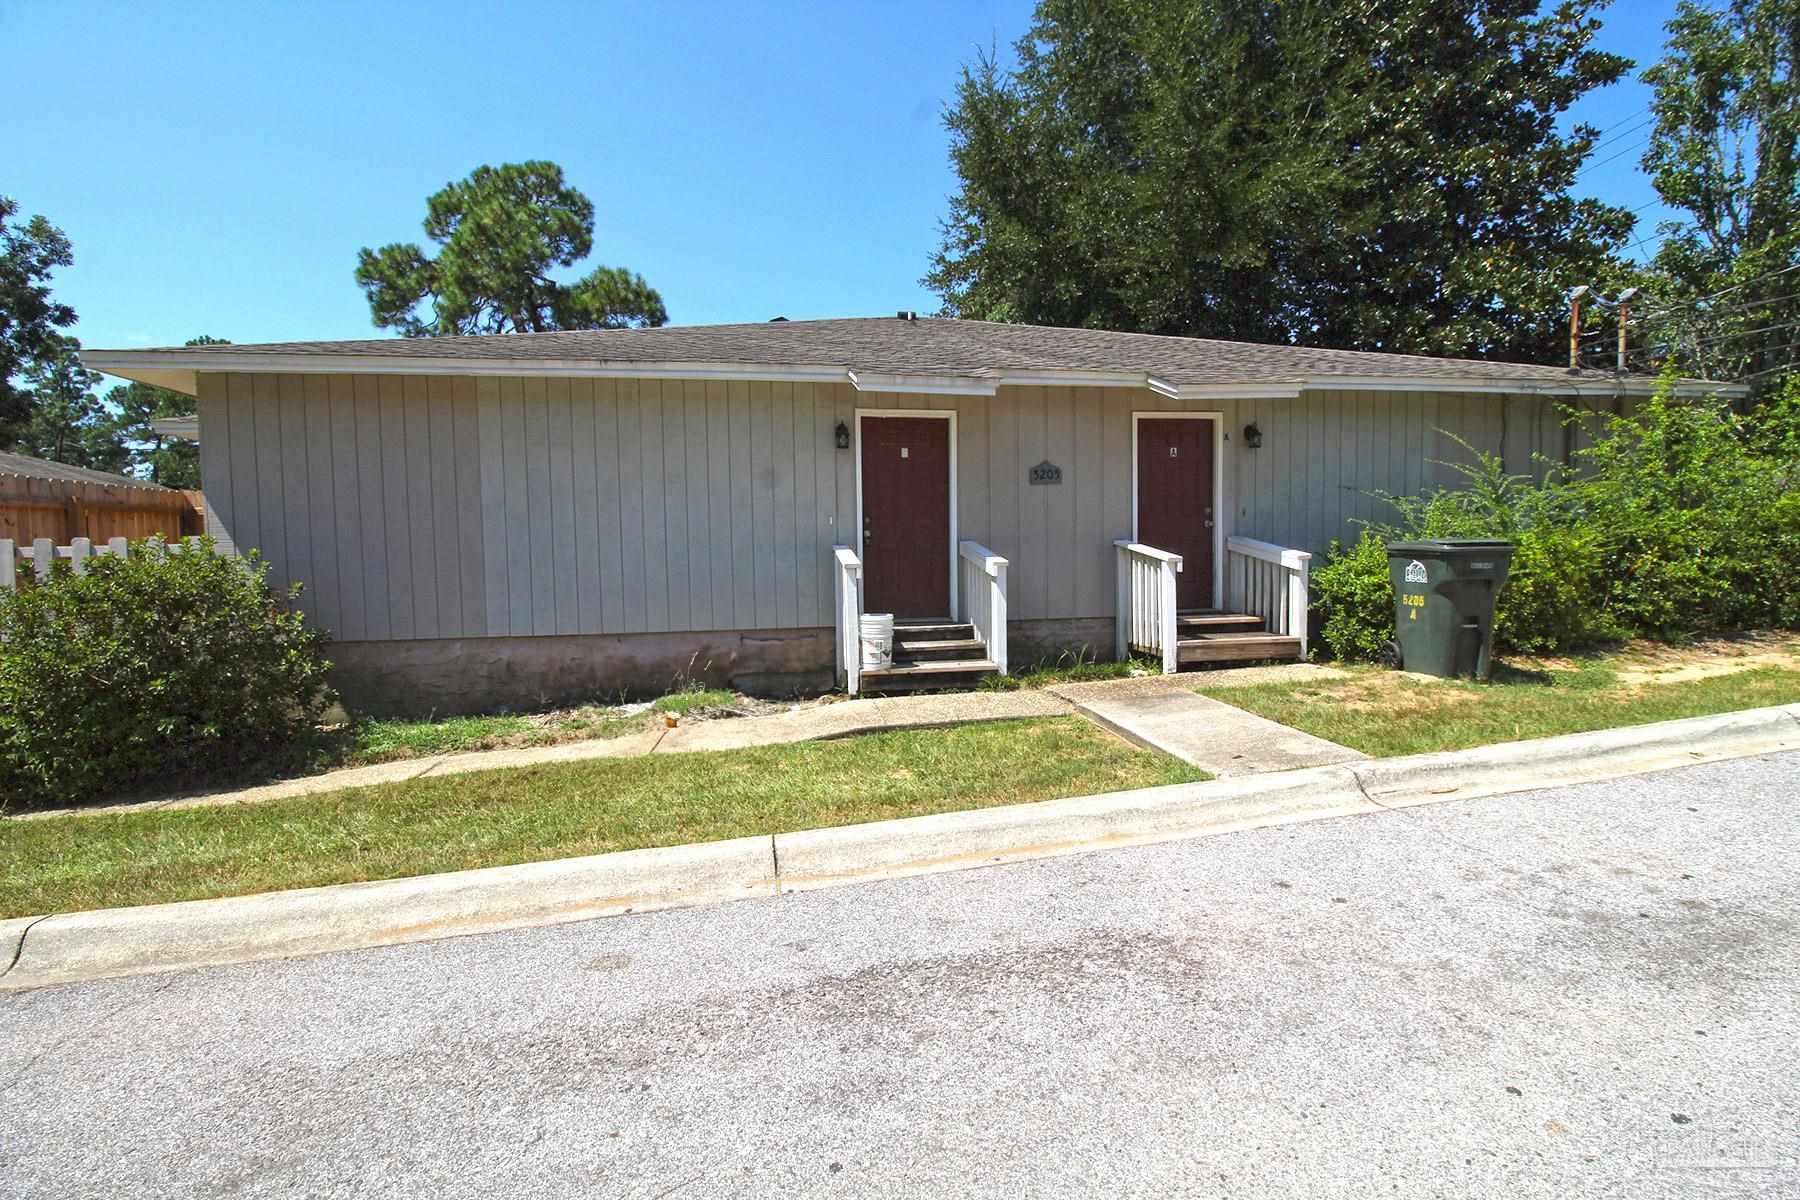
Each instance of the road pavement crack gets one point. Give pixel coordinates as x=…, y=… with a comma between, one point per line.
x=41, y=1054
x=19, y=950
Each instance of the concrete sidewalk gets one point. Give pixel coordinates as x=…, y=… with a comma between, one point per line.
x=815, y=723
x=1163, y=712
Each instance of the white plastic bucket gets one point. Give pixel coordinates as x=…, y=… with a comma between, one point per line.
x=877, y=632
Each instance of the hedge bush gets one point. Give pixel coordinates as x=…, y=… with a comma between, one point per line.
x=1681, y=519
x=155, y=667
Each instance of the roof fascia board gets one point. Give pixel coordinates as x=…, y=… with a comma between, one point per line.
x=932, y=385
x=1237, y=391
x=1514, y=386
x=178, y=369
x=1074, y=377
x=127, y=363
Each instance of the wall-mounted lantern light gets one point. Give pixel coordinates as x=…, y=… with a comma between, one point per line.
x=1252, y=436
x=843, y=436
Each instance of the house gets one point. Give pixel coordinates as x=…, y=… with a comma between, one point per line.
x=44, y=499
x=524, y=518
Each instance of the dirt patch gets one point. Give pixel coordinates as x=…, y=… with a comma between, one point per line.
x=1643, y=663
x=1395, y=694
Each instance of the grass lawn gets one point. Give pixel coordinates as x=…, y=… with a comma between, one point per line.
x=373, y=741
x=528, y=814
x=1382, y=712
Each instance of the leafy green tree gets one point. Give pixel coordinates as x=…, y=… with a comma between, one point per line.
x=501, y=233
x=1334, y=172
x=1724, y=151
x=66, y=421
x=29, y=318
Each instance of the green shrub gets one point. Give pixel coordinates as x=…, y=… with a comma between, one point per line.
x=152, y=668
x=1681, y=519
x=1698, y=506
x=1354, y=600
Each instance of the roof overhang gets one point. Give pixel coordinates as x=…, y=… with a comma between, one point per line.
x=177, y=427
x=179, y=371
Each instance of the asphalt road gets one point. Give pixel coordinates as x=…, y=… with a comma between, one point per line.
x=1592, y=991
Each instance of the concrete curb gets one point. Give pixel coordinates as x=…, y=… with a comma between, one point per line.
x=816, y=858
x=1576, y=757
x=169, y=937
x=195, y=933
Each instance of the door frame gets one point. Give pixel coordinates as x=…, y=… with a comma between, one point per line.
x=941, y=414
x=1218, y=420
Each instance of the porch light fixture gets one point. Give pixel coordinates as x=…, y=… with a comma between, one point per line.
x=1252, y=436
x=843, y=436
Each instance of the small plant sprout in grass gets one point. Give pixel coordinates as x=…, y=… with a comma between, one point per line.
x=377, y=741
x=1071, y=666
x=683, y=702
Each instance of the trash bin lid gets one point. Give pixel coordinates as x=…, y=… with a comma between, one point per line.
x=1441, y=546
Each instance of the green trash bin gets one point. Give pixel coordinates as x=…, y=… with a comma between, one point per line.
x=1444, y=593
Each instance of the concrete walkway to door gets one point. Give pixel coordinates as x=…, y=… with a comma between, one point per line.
x=1163, y=712
x=1160, y=712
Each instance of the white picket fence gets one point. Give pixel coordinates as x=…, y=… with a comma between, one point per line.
x=42, y=552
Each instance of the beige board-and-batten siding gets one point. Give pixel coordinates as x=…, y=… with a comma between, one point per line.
x=435, y=507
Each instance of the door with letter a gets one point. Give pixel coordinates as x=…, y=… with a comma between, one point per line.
x=1176, y=470
x=906, y=515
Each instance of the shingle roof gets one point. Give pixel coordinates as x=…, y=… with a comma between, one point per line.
x=42, y=468
x=930, y=346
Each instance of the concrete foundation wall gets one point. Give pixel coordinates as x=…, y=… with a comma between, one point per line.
x=487, y=674
x=468, y=675
x=1029, y=643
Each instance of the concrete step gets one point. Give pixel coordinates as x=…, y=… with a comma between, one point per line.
x=1237, y=647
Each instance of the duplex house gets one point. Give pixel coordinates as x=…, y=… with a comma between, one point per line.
x=526, y=518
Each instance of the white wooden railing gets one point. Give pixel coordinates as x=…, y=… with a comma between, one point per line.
x=43, y=552
x=1146, y=602
x=983, y=598
x=1270, y=582
x=847, y=571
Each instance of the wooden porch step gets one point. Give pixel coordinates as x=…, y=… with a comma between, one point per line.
x=1236, y=647
x=919, y=651
x=1217, y=622
x=957, y=666
x=928, y=631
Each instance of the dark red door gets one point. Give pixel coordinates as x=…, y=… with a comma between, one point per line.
x=906, y=516
x=1175, y=500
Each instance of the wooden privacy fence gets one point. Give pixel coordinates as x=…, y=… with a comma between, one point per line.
x=65, y=509
x=42, y=554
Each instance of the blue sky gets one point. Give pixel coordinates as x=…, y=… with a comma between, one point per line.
x=218, y=166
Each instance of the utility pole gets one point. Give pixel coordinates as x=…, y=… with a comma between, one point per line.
x=1575, y=326
x=1624, y=303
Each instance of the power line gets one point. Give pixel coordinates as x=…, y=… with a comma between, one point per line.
x=1609, y=158
x=1786, y=366
x=1691, y=306
x=1725, y=312
x=1610, y=136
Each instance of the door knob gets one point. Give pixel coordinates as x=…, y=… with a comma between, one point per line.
x=1209, y=524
